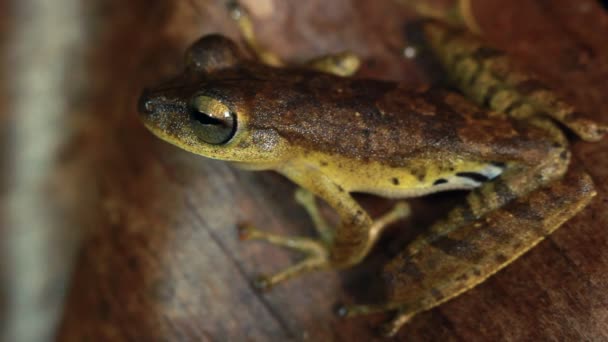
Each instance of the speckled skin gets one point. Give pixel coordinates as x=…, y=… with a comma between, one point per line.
x=333, y=135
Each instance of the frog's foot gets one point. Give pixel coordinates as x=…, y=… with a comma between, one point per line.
x=388, y=329
x=400, y=211
x=241, y=16
x=317, y=255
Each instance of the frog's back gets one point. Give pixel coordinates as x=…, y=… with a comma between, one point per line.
x=387, y=122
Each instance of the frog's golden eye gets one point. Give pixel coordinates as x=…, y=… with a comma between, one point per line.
x=213, y=122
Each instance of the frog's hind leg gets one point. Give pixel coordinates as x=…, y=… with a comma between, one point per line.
x=316, y=254
x=516, y=181
x=489, y=77
x=459, y=15
x=454, y=243
x=243, y=20
x=340, y=64
x=420, y=280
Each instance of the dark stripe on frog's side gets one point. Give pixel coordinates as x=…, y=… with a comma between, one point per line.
x=477, y=177
x=440, y=181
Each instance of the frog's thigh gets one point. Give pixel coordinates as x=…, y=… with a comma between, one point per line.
x=467, y=256
x=241, y=16
x=516, y=181
x=340, y=64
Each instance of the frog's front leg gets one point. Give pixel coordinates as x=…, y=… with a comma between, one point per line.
x=347, y=245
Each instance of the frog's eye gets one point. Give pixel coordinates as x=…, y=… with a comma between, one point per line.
x=213, y=122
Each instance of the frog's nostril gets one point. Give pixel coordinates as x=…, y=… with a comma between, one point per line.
x=145, y=104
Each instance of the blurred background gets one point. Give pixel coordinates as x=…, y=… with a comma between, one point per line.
x=107, y=234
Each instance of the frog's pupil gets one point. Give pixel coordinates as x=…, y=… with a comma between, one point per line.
x=206, y=119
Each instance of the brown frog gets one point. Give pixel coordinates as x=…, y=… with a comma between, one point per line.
x=332, y=135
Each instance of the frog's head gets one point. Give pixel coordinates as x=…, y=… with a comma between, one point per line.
x=198, y=112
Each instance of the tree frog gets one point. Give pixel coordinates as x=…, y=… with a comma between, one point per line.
x=333, y=134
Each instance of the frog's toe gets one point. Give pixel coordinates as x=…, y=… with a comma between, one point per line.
x=387, y=329
x=262, y=283
x=340, y=310
x=311, y=263
x=345, y=311
x=245, y=231
x=317, y=254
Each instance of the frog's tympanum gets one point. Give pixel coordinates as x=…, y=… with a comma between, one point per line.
x=332, y=135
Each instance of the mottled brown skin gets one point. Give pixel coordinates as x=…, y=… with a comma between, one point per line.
x=463, y=258
x=334, y=135
x=491, y=79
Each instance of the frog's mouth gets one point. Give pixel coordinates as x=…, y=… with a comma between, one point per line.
x=150, y=105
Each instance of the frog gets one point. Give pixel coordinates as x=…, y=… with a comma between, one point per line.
x=501, y=137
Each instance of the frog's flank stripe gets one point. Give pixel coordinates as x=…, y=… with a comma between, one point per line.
x=440, y=181
x=477, y=177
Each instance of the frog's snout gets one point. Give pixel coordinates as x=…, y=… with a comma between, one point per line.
x=153, y=106
x=163, y=113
